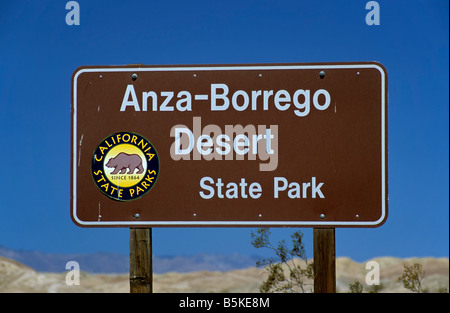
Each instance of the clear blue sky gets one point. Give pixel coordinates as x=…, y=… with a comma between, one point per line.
x=39, y=52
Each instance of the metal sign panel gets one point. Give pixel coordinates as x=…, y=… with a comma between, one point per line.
x=230, y=145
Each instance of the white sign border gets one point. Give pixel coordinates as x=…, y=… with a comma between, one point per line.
x=232, y=223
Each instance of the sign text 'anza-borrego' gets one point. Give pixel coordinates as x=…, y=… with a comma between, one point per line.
x=299, y=145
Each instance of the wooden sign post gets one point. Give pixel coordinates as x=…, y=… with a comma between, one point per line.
x=141, y=269
x=324, y=260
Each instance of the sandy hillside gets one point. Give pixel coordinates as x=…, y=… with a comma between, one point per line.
x=15, y=277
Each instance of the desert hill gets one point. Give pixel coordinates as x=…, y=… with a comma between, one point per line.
x=106, y=263
x=16, y=277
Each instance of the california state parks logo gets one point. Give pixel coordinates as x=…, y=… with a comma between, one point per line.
x=125, y=166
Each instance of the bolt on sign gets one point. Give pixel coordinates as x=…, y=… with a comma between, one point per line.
x=230, y=145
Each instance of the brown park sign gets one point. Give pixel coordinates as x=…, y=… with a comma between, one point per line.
x=230, y=145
